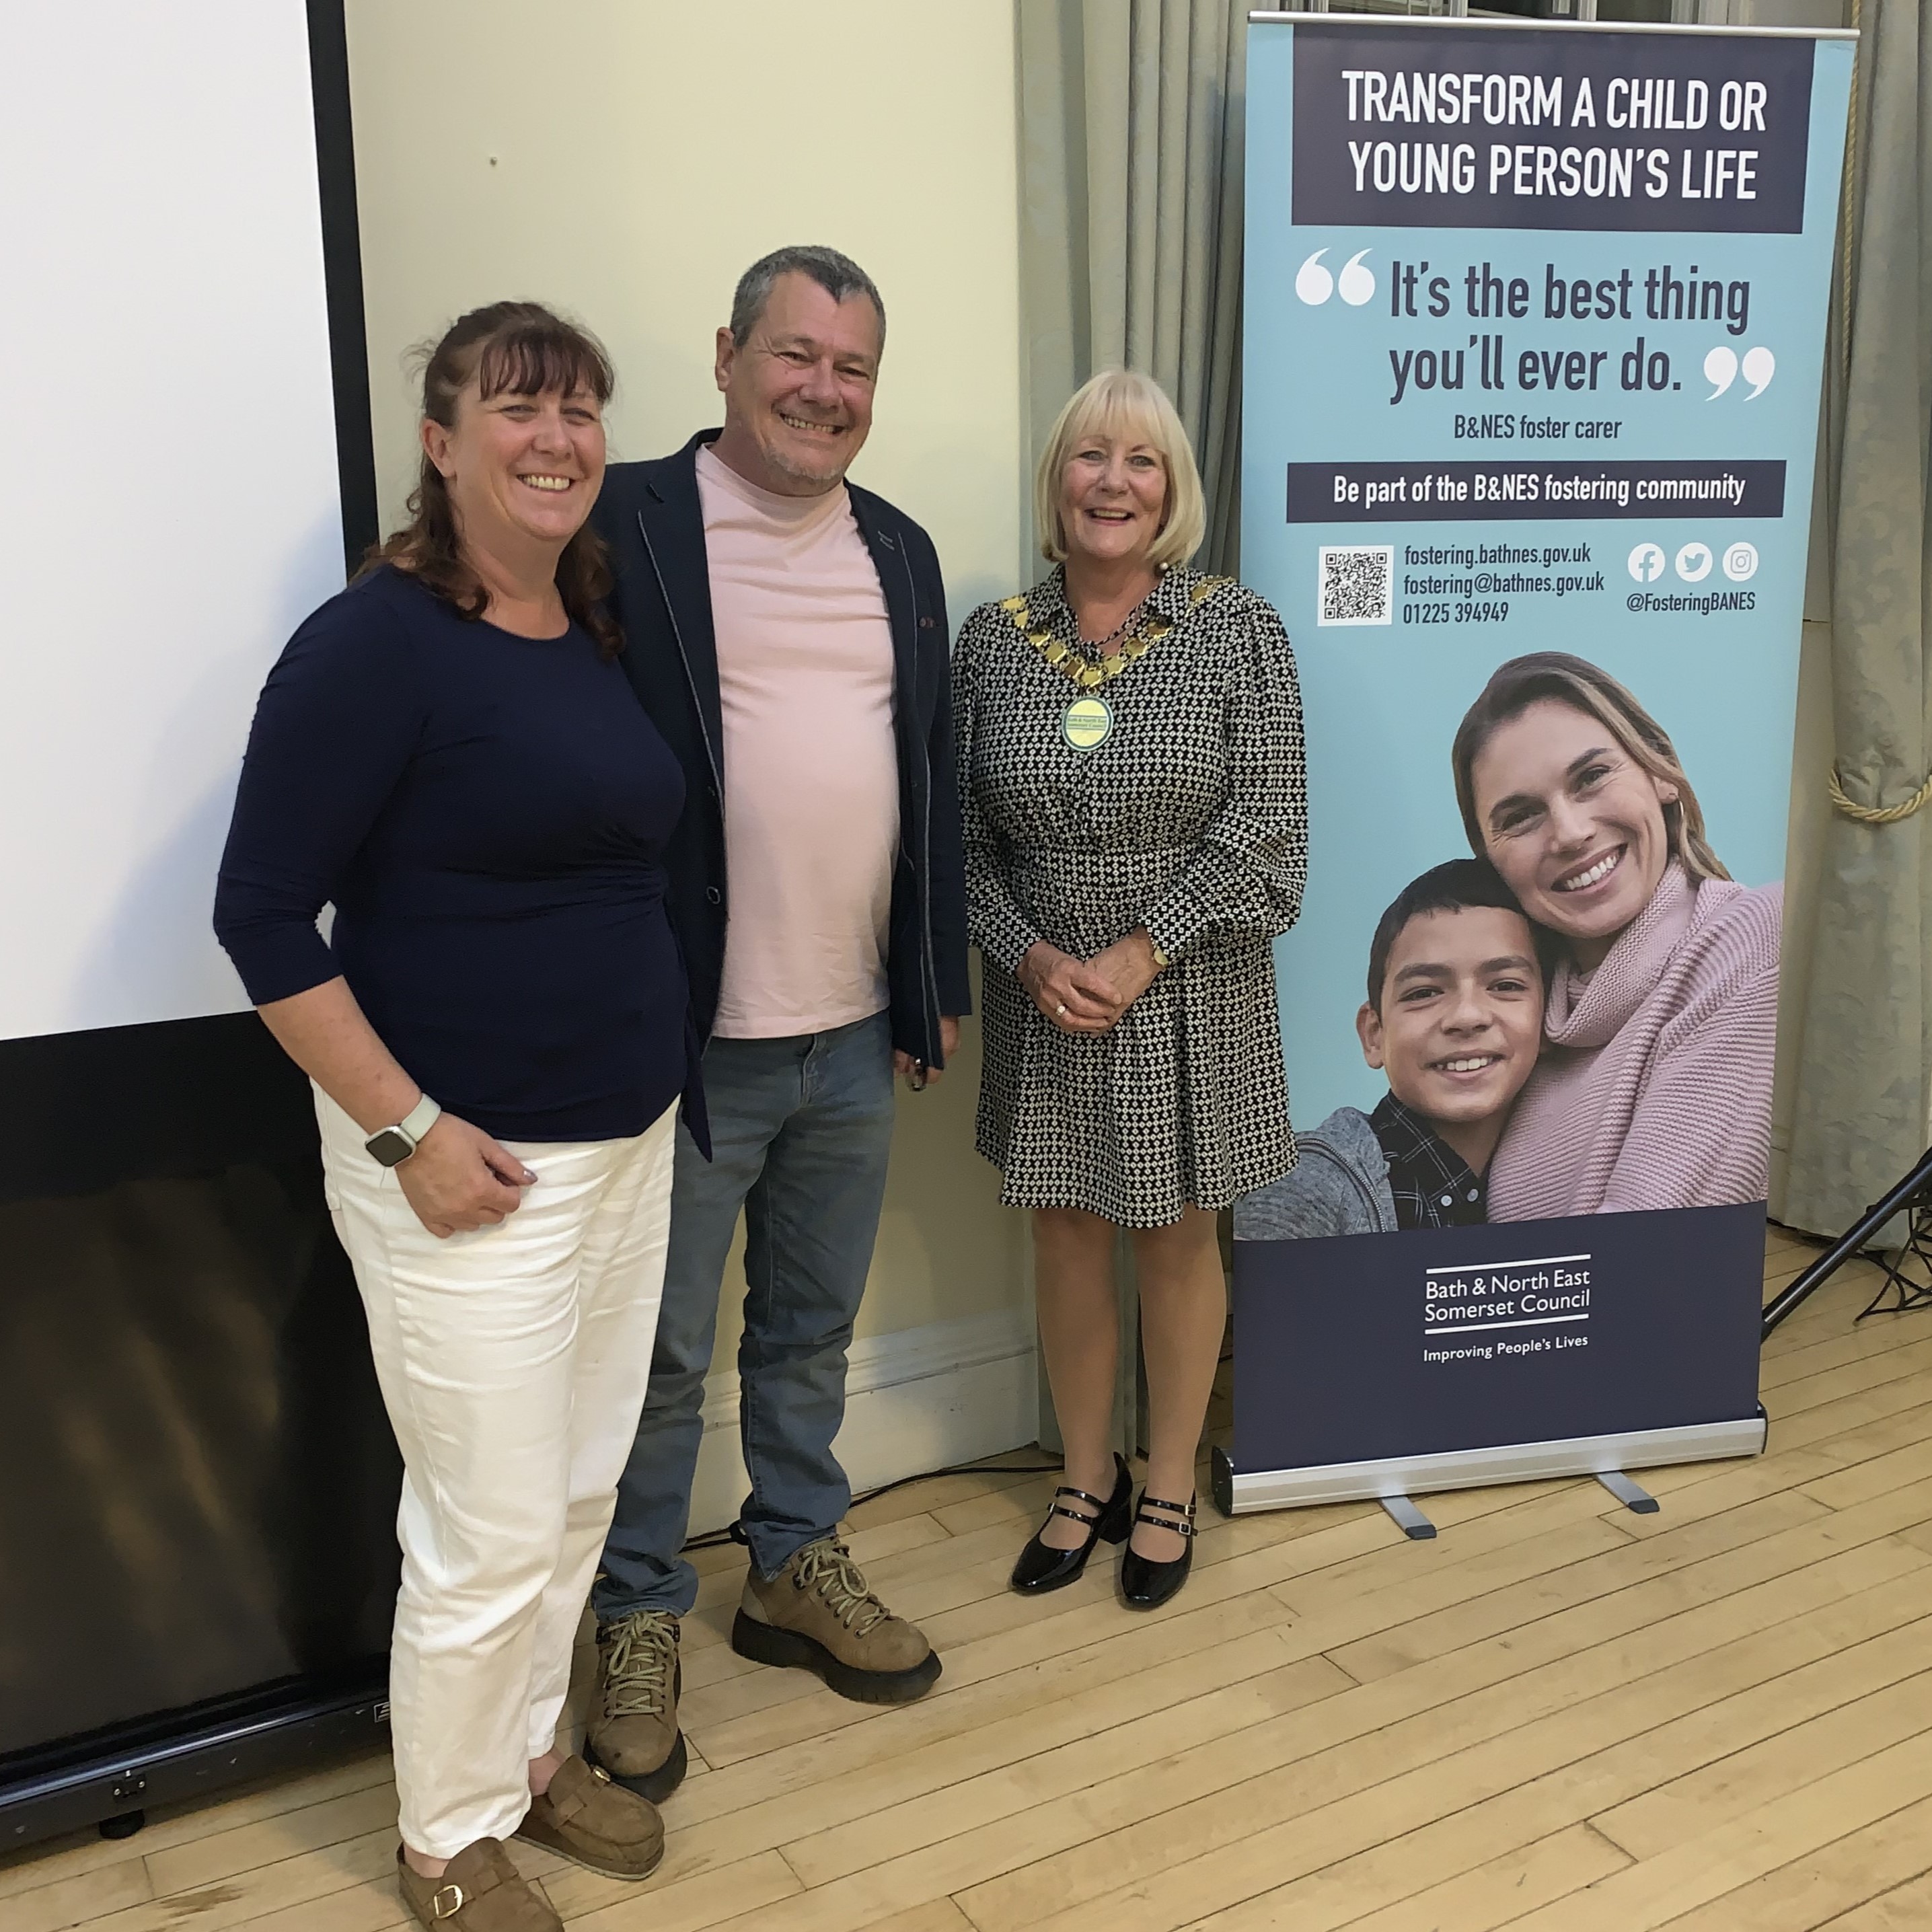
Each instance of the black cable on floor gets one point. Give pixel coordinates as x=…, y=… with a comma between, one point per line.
x=719, y=1537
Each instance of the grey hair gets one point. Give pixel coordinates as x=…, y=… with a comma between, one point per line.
x=838, y=275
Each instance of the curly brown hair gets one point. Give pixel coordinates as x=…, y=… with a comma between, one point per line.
x=513, y=348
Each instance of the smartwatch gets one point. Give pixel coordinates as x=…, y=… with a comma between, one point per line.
x=392, y=1146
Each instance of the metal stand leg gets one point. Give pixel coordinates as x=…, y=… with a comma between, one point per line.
x=1632, y=1496
x=1409, y=1519
x=1913, y=1195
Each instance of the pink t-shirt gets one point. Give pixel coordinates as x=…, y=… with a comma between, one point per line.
x=811, y=789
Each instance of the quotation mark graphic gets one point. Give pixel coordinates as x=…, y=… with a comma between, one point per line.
x=1721, y=367
x=1355, y=284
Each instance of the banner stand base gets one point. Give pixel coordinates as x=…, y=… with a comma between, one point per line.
x=1634, y=1496
x=1239, y=1492
x=1409, y=1519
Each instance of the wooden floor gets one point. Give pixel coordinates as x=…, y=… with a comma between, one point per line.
x=1558, y=1716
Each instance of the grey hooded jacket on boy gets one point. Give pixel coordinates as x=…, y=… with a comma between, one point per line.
x=1339, y=1186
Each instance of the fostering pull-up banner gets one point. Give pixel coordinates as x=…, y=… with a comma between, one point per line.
x=1535, y=322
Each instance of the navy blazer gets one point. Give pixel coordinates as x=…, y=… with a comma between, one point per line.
x=650, y=517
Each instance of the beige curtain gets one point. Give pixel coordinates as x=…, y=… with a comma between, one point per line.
x=1864, y=1061
x=1131, y=135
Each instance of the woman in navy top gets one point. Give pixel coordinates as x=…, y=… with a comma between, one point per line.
x=449, y=754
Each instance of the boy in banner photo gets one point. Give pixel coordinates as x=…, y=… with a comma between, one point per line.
x=1647, y=1083
x=1453, y=1018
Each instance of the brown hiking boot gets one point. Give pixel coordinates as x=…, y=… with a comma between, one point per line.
x=480, y=1891
x=818, y=1614
x=633, y=1733
x=586, y=1818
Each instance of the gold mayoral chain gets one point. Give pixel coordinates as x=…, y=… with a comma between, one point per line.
x=1089, y=674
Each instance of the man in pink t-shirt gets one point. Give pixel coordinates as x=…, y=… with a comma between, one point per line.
x=787, y=635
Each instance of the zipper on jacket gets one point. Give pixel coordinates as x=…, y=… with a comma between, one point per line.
x=1312, y=1143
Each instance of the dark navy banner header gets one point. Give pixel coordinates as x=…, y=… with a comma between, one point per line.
x=1542, y=129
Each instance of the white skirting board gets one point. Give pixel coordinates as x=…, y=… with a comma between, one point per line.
x=1470, y=1468
x=921, y=1399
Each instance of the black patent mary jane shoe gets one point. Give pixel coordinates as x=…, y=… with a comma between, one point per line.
x=1144, y=1584
x=1042, y=1567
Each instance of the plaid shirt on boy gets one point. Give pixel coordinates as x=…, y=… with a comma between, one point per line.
x=1432, y=1182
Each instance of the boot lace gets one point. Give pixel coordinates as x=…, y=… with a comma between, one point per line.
x=639, y=1664
x=827, y=1568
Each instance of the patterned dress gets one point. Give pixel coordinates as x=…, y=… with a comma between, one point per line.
x=1188, y=817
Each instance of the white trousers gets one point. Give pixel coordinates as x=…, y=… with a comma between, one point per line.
x=513, y=1362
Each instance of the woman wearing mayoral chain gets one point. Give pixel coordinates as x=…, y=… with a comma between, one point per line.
x=1131, y=785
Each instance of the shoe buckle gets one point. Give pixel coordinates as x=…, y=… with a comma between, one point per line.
x=597, y=1771
x=438, y=1909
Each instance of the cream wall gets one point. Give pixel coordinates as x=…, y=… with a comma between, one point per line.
x=626, y=160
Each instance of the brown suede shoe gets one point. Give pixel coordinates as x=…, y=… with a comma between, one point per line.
x=633, y=1732
x=585, y=1818
x=818, y=1614
x=480, y=1891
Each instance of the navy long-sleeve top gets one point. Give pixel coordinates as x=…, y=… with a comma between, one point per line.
x=487, y=813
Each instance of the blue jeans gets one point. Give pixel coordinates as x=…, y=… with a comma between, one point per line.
x=800, y=1130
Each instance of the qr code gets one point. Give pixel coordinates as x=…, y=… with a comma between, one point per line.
x=1357, y=584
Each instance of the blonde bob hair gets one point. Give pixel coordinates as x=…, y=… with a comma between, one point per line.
x=1124, y=402
x=1572, y=681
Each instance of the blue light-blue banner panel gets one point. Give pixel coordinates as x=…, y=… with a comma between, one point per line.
x=1535, y=325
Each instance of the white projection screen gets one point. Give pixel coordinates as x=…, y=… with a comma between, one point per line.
x=171, y=511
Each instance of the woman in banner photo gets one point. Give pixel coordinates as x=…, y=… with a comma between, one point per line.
x=496, y=1031
x=1131, y=784
x=1654, y=1086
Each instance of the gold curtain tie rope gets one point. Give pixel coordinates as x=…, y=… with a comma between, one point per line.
x=1873, y=814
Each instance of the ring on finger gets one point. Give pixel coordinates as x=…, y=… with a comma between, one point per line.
x=1060, y=1011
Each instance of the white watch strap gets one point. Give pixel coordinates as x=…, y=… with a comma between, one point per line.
x=418, y=1121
